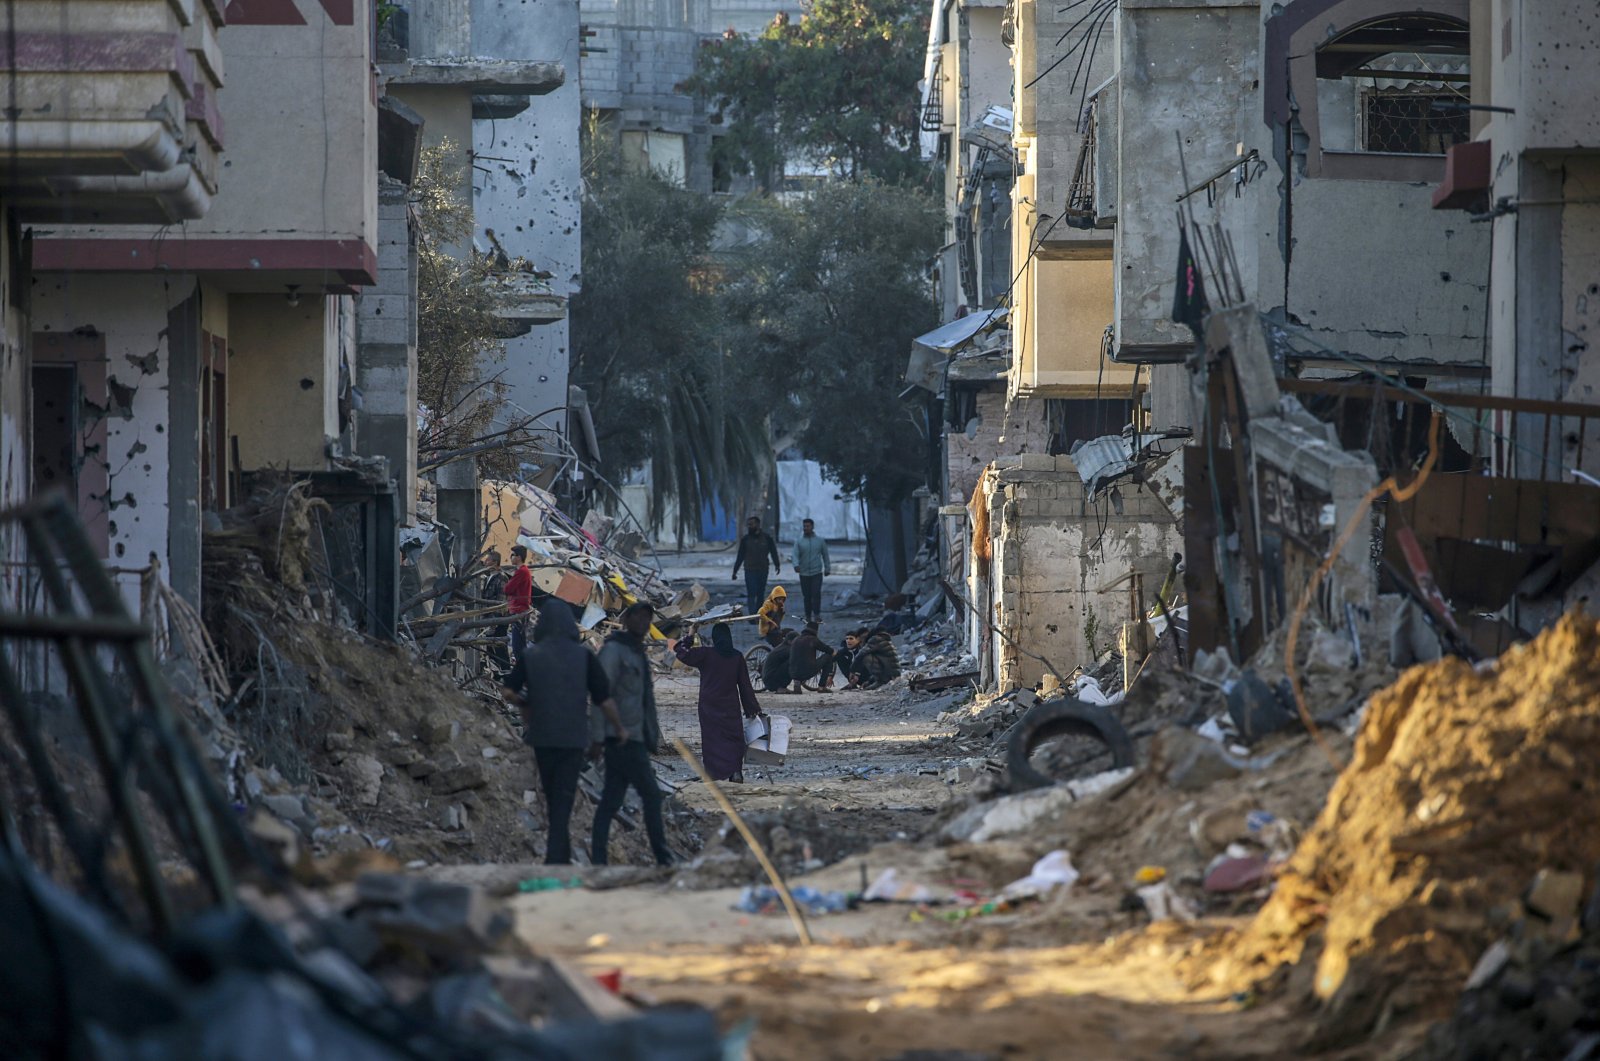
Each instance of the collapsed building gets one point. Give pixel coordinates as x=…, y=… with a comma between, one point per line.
x=1263, y=258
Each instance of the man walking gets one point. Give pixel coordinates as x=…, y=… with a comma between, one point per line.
x=755, y=548
x=811, y=563
x=629, y=741
x=554, y=682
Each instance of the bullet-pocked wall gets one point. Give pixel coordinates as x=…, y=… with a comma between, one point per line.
x=527, y=184
x=133, y=355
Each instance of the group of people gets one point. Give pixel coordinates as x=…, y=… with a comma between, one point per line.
x=810, y=558
x=866, y=659
x=554, y=680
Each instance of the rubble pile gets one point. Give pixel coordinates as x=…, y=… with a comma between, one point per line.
x=357, y=744
x=593, y=566
x=1536, y=991
x=1462, y=777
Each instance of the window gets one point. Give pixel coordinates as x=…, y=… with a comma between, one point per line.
x=1396, y=121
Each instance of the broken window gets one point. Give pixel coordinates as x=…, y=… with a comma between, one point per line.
x=1398, y=121
x=1408, y=80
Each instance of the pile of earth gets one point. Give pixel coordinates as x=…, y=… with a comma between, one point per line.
x=1464, y=783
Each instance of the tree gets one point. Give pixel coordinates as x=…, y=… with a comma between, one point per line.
x=824, y=309
x=837, y=87
x=647, y=347
x=459, y=338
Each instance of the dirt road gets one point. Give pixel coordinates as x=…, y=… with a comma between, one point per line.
x=1074, y=976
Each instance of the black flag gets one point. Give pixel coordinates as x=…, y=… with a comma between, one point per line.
x=1189, y=305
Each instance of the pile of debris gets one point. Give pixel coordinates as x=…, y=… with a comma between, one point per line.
x=594, y=566
x=1462, y=777
x=354, y=743
x=1536, y=991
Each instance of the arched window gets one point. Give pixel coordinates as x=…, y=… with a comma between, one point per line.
x=1370, y=93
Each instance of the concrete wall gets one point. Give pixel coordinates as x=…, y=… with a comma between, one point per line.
x=1544, y=316
x=283, y=372
x=1002, y=429
x=297, y=193
x=1058, y=336
x=386, y=350
x=139, y=421
x=1189, y=72
x=1052, y=553
x=533, y=202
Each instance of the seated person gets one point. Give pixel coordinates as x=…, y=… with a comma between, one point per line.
x=769, y=621
x=844, y=657
x=775, y=672
x=809, y=657
x=878, y=662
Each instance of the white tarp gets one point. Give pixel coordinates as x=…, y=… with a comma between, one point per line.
x=803, y=493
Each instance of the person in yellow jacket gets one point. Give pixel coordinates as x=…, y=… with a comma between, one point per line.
x=769, y=621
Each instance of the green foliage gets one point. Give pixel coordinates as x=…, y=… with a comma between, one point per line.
x=458, y=334
x=837, y=87
x=646, y=341
x=824, y=309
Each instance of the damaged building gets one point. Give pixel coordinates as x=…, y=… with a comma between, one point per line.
x=1385, y=209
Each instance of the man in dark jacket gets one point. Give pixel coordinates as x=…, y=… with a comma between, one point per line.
x=755, y=549
x=808, y=658
x=775, y=672
x=878, y=662
x=629, y=740
x=554, y=681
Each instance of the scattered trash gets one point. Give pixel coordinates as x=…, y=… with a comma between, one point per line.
x=890, y=888
x=1053, y=871
x=764, y=899
x=548, y=884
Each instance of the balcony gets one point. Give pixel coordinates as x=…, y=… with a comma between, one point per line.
x=115, y=108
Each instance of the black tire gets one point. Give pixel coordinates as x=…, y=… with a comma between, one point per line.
x=1061, y=718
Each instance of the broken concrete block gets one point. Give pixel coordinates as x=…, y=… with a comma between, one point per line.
x=455, y=818
x=366, y=779
x=339, y=742
x=450, y=920
x=459, y=777
x=491, y=753
x=291, y=809
x=434, y=729
x=1184, y=760
x=1555, y=894
x=422, y=768
x=402, y=756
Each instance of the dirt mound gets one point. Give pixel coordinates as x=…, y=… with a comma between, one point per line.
x=1464, y=782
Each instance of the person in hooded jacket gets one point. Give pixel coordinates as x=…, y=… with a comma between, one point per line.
x=769, y=618
x=725, y=694
x=554, y=682
x=629, y=741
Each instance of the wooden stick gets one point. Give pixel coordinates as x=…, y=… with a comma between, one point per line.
x=750, y=838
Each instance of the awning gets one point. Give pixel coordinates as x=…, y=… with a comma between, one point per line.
x=932, y=350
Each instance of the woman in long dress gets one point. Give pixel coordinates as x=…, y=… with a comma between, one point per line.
x=725, y=695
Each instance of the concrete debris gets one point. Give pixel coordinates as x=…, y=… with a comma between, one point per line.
x=1026, y=812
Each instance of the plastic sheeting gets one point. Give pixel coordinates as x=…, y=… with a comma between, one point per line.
x=804, y=493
